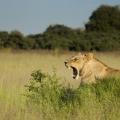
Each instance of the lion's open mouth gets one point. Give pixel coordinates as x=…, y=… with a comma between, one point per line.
x=75, y=73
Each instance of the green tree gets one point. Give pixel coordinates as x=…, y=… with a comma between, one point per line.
x=15, y=40
x=38, y=41
x=105, y=18
x=60, y=37
x=3, y=38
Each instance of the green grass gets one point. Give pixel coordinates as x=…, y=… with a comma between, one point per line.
x=54, y=101
x=96, y=101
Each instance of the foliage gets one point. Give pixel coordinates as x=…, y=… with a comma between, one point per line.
x=105, y=18
x=46, y=91
x=3, y=38
x=102, y=33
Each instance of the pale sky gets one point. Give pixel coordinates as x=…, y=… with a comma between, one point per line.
x=35, y=16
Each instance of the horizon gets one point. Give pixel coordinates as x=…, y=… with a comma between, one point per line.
x=34, y=17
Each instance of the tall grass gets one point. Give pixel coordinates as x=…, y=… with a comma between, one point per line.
x=57, y=101
x=96, y=101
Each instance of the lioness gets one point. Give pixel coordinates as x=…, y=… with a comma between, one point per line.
x=89, y=68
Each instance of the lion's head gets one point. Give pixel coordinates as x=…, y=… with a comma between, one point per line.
x=77, y=62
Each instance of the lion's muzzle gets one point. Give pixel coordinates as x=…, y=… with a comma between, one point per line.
x=66, y=64
x=75, y=71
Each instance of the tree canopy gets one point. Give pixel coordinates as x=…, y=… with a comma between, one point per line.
x=105, y=18
x=102, y=33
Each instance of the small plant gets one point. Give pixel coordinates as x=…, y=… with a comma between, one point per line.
x=46, y=91
x=43, y=87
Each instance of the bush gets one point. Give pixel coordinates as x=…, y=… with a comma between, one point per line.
x=44, y=89
x=51, y=97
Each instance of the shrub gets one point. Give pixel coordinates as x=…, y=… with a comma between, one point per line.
x=44, y=89
x=48, y=94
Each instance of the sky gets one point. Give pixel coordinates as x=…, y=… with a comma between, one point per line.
x=35, y=16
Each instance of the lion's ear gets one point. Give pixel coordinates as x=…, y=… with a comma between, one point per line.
x=89, y=56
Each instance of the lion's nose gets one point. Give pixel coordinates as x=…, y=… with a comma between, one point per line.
x=65, y=62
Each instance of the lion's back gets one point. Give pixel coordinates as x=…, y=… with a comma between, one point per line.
x=96, y=69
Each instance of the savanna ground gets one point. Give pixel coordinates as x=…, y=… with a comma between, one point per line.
x=92, y=102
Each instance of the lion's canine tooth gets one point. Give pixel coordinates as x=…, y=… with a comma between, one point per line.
x=73, y=75
x=77, y=77
x=68, y=67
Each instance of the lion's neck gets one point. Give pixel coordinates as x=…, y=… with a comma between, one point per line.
x=91, y=69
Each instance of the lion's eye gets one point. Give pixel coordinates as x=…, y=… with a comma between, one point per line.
x=75, y=59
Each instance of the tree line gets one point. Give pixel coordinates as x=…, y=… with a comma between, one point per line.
x=101, y=33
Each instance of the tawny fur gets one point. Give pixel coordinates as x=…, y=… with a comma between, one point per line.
x=90, y=68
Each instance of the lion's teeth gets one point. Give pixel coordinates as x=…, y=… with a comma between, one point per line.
x=68, y=67
x=73, y=75
x=76, y=77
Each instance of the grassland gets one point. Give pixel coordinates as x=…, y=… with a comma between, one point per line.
x=15, y=72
